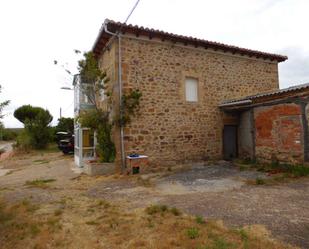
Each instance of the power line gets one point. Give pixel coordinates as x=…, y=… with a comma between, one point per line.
x=122, y=24
x=134, y=7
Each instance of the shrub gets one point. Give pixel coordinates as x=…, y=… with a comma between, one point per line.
x=192, y=232
x=296, y=170
x=65, y=124
x=200, y=219
x=23, y=141
x=7, y=134
x=175, y=211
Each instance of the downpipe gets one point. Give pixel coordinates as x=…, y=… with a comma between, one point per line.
x=120, y=96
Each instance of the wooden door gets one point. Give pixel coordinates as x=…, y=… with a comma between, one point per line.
x=230, y=142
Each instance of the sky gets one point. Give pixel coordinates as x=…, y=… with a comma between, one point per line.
x=34, y=33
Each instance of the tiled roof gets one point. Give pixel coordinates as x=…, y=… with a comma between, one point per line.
x=275, y=93
x=114, y=27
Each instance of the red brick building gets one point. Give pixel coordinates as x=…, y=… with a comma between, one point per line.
x=271, y=126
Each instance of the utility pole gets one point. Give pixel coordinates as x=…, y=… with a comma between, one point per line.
x=60, y=113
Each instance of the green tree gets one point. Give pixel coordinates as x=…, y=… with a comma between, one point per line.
x=65, y=124
x=89, y=70
x=36, y=121
x=27, y=113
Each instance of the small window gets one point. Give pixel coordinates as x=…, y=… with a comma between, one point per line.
x=191, y=86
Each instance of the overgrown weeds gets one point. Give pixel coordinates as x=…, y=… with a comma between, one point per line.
x=277, y=172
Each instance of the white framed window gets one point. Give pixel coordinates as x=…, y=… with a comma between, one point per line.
x=191, y=89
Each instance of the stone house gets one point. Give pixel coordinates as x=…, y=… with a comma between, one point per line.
x=185, y=84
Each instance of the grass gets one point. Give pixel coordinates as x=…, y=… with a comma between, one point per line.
x=277, y=172
x=92, y=223
x=16, y=224
x=154, y=209
x=221, y=243
x=245, y=238
x=162, y=209
x=29, y=207
x=39, y=183
x=175, y=211
x=116, y=228
x=201, y=234
x=5, y=189
x=58, y=212
x=51, y=147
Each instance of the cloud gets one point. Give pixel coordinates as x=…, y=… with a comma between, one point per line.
x=296, y=69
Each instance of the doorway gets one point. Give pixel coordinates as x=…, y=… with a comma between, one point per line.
x=229, y=142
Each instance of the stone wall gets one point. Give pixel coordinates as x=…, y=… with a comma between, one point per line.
x=279, y=133
x=167, y=128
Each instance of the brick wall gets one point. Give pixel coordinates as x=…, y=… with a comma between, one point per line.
x=279, y=133
x=167, y=128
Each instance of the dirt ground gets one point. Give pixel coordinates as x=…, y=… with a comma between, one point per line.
x=214, y=191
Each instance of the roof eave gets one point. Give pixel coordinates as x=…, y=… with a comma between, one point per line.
x=137, y=30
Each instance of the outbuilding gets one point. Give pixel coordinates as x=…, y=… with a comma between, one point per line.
x=269, y=126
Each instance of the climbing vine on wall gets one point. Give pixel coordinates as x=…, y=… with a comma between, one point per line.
x=130, y=106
